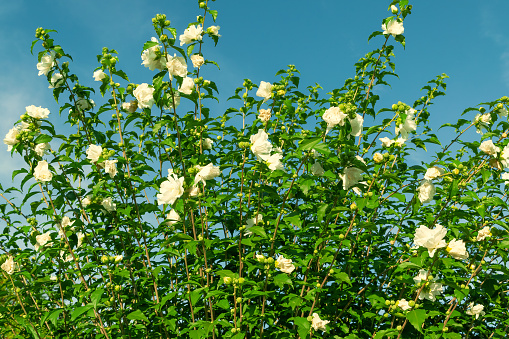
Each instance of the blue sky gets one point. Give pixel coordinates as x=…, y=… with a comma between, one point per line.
x=468, y=40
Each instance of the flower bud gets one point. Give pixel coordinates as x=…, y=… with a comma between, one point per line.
x=378, y=158
x=399, y=328
x=239, y=300
x=310, y=318
x=227, y=280
x=241, y=280
x=104, y=259
x=353, y=207
x=394, y=9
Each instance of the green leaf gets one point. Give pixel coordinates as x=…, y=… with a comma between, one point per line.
x=406, y=265
x=416, y=318
x=42, y=138
x=214, y=14
x=96, y=296
x=281, y=279
x=53, y=316
x=79, y=311
x=258, y=230
x=309, y=144
x=342, y=276
x=303, y=325
x=137, y=315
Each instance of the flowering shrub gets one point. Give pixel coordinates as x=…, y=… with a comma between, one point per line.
x=289, y=215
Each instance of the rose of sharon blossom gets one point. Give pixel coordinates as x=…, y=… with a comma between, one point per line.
x=187, y=86
x=172, y=100
x=85, y=104
x=351, y=176
x=432, y=239
x=56, y=80
x=109, y=205
x=176, y=66
x=94, y=152
x=426, y=191
x=318, y=324
x=399, y=142
x=41, y=149
x=403, y=304
x=431, y=291
x=191, y=33
x=504, y=156
x=433, y=172
x=86, y=201
x=170, y=189
x=206, y=173
x=260, y=145
x=145, y=95
x=264, y=115
x=393, y=27
x=333, y=116
x=484, y=233
x=378, y=158
x=264, y=90
x=207, y=143
x=356, y=124
x=317, y=169
x=274, y=162
x=251, y=222
x=284, y=265
x=482, y=121
x=197, y=60
x=152, y=57
x=407, y=126
x=42, y=172
x=37, y=112
x=42, y=240
x=386, y=142
x=46, y=64
x=99, y=75
x=457, y=250
x=214, y=30
x=131, y=106
x=8, y=265
x=110, y=167
x=488, y=147
x=172, y=217
x=11, y=138
x=476, y=310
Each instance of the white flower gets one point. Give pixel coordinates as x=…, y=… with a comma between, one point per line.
x=41, y=149
x=118, y=258
x=207, y=143
x=334, y=116
x=110, y=167
x=284, y=265
x=67, y=257
x=489, y=148
x=399, y=142
x=394, y=9
x=408, y=125
x=432, y=239
x=482, y=121
x=476, y=310
x=187, y=86
x=109, y=205
x=193, y=191
x=42, y=172
x=197, y=60
x=426, y=191
x=176, y=66
x=351, y=176
x=99, y=75
x=378, y=158
x=85, y=104
x=457, y=250
x=80, y=236
x=37, y=112
x=56, y=80
x=46, y=64
x=42, y=240
x=260, y=257
x=214, y=30
x=505, y=176
x=264, y=115
x=484, y=233
x=11, y=138
x=318, y=324
x=433, y=172
x=252, y=222
x=131, y=106
x=172, y=217
x=317, y=169
x=504, y=156
x=432, y=290
x=356, y=124
x=191, y=33
x=386, y=142
x=145, y=95
x=53, y=277
x=403, y=304
x=274, y=162
x=264, y=90
x=260, y=145
x=502, y=112
x=170, y=189
x=94, y=152
x=86, y=201
x=393, y=27
x=8, y=265
x=152, y=57
x=206, y=173
x=66, y=221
